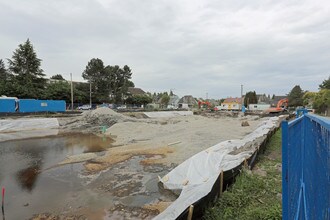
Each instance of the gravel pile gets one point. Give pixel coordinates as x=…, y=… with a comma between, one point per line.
x=93, y=121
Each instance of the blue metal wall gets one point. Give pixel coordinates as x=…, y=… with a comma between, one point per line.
x=31, y=105
x=7, y=105
x=306, y=168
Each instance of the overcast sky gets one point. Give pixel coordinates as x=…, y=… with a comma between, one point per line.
x=192, y=47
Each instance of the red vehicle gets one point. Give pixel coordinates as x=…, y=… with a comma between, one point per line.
x=202, y=104
x=282, y=106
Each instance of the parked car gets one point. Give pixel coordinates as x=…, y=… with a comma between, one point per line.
x=121, y=107
x=84, y=107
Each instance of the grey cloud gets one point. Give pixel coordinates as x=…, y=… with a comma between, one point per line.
x=191, y=46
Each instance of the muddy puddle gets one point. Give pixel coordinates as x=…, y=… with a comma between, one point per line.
x=36, y=187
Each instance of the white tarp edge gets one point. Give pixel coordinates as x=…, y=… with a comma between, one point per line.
x=197, y=175
x=27, y=128
x=168, y=114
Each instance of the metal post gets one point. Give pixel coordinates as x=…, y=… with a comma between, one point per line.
x=71, y=93
x=285, y=171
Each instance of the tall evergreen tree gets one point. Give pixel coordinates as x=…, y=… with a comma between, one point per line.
x=296, y=96
x=3, y=71
x=250, y=98
x=26, y=67
x=3, y=77
x=57, y=77
x=325, y=84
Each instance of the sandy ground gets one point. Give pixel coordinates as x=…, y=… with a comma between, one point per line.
x=175, y=139
x=161, y=142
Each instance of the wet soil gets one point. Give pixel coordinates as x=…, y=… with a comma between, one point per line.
x=38, y=189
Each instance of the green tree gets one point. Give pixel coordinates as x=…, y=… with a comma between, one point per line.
x=296, y=96
x=322, y=101
x=325, y=84
x=8, y=83
x=3, y=78
x=58, y=77
x=60, y=90
x=26, y=67
x=96, y=74
x=130, y=84
x=308, y=98
x=139, y=100
x=120, y=82
x=164, y=100
x=82, y=93
x=3, y=71
x=250, y=98
x=108, y=80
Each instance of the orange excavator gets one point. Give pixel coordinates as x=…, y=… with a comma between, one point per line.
x=281, y=107
x=204, y=104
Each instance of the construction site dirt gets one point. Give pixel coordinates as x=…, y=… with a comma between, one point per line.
x=105, y=165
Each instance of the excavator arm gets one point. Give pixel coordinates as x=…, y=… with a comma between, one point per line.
x=280, y=107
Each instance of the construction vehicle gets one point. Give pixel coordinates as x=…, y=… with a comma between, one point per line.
x=282, y=106
x=204, y=104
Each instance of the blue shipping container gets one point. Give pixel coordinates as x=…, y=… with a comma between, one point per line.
x=7, y=105
x=31, y=105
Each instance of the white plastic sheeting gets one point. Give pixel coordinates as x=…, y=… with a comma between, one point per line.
x=168, y=114
x=196, y=176
x=27, y=128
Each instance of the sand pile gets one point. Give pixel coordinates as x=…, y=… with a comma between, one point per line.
x=93, y=121
x=104, y=115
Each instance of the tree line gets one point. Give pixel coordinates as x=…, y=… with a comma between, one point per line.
x=320, y=101
x=24, y=78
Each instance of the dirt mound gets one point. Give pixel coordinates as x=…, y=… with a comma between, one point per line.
x=103, y=111
x=104, y=114
x=94, y=121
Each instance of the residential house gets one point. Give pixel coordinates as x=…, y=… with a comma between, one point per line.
x=132, y=91
x=135, y=91
x=187, y=101
x=231, y=104
x=174, y=102
x=263, y=99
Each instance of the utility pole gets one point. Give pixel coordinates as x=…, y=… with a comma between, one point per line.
x=71, y=93
x=207, y=96
x=242, y=97
x=90, y=94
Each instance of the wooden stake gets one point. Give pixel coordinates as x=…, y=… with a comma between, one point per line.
x=190, y=213
x=246, y=163
x=3, y=201
x=221, y=183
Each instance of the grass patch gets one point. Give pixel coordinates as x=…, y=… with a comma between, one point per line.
x=256, y=194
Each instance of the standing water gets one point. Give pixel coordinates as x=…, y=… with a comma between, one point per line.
x=34, y=184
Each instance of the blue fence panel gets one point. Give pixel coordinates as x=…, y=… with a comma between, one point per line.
x=54, y=105
x=28, y=105
x=7, y=105
x=306, y=168
x=31, y=105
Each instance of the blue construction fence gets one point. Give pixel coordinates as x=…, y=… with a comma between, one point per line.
x=306, y=168
x=31, y=105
